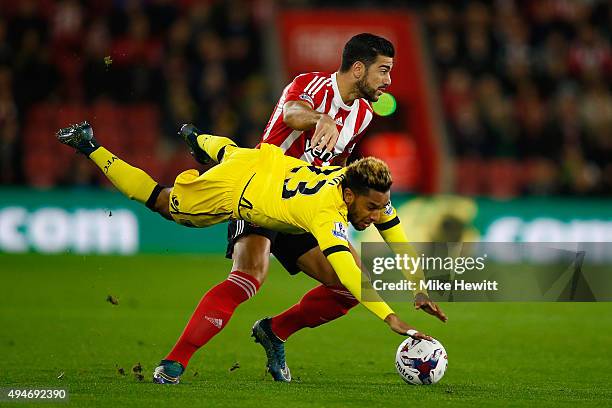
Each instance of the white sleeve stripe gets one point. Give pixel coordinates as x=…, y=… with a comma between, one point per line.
x=319, y=80
x=247, y=282
x=320, y=86
x=241, y=285
x=311, y=83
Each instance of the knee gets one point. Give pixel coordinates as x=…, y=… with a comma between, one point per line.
x=162, y=203
x=319, y=268
x=344, y=299
x=252, y=256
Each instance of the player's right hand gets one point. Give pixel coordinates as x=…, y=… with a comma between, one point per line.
x=326, y=134
x=400, y=327
x=422, y=302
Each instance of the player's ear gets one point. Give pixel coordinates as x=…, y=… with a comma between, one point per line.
x=359, y=69
x=349, y=196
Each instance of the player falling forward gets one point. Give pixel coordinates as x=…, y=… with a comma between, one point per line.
x=267, y=188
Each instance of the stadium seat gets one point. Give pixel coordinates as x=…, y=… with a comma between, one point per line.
x=108, y=121
x=503, y=178
x=142, y=123
x=42, y=113
x=468, y=176
x=400, y=153
x=180, y=161
x=68, y=114
x=43, y=168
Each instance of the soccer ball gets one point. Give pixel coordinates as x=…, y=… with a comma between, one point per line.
x=421, y=362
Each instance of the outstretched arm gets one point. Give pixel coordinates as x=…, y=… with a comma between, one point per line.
x=350, y=275
x=391, y=230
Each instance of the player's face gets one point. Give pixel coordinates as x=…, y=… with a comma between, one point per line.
x=376, y=79
x=363, y=210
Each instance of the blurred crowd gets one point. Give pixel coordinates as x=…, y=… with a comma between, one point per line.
x=525, y=89
x=524, y=86
x=181, y=61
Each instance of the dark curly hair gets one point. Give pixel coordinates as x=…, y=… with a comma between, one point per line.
x=365, y=47
x=367, y=173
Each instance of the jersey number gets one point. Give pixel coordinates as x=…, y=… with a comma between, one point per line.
x=302, y=189
x=302, y=185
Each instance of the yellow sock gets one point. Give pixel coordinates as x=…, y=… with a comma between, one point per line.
x=131, y=181
x=214, y=145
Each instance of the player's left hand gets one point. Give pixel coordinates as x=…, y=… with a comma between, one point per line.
x=422, y=302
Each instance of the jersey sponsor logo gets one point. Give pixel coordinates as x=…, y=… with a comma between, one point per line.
x=306, y=98
x=325, y=156
x=388, y=208
x=340, y=231
x=109, y=162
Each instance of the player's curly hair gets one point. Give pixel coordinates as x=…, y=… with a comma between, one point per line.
x=367, y=173
x=365, y=47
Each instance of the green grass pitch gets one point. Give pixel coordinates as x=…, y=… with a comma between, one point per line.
x=55, y=319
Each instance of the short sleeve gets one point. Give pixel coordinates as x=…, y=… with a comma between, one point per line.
x=331, y=232
x=308, y=88
x=388, y=218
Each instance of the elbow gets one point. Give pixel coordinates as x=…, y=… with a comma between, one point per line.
x=344, y=282
x=349, y=285
x=289, y=118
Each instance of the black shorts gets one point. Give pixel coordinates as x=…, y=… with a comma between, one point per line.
x=287, y=248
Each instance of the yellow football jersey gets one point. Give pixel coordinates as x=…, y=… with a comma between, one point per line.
x=267, y=188
x=292, y=196
x=281, y=193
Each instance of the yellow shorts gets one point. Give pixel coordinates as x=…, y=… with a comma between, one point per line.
x=202, y=200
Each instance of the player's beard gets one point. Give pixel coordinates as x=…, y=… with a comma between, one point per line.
x=366, y=91
x=351, y=218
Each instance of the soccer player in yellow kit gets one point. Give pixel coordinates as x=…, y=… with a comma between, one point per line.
x=267, y=188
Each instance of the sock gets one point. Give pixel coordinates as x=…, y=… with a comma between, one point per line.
x=212, y=314
x=217, y=147
x=321, y=305
x=131, y=181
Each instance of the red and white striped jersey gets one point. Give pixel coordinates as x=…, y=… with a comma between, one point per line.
x=320, y=91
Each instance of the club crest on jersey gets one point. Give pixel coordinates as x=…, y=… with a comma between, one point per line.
x=388, y=208
x=320, y=153
x=340, y=231
x=307, y=98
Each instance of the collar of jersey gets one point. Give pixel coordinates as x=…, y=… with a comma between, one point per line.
x=337, y=96
x=340, y=204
